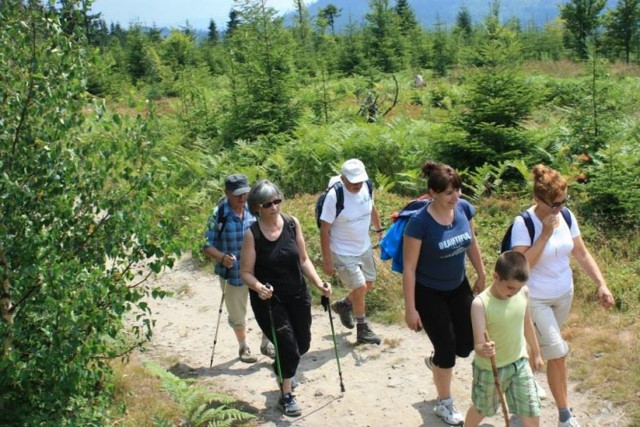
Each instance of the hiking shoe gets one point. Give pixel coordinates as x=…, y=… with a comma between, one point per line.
x=268, y=350
x=571, y=422
x=344, y=310
x=246, y=356
x=429, y=361
x=449, y=414
x=366, y=335
x=289, y=406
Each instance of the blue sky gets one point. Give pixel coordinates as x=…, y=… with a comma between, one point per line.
x=173, y=13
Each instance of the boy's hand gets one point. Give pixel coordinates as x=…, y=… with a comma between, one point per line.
x=486, y=349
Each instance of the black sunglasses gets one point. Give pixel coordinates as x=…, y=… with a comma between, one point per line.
x=271, y=203
x=556, y=205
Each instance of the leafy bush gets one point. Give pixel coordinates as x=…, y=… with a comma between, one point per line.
x=82, y=221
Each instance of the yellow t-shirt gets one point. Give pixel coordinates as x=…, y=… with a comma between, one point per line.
x=505, y=325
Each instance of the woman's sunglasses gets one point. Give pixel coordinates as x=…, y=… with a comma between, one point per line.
x=271, y=203
x=556, y=205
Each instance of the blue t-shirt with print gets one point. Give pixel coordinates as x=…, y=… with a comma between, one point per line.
x=441, y=263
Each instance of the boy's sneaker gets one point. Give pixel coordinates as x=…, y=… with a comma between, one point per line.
x=246, y=356
x=343, y=309
x=289, y=406
x=571, y=422
x=366, y=335
x=268, y=349
x=449, y=414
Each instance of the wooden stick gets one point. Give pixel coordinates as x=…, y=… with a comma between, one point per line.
x=496, y=381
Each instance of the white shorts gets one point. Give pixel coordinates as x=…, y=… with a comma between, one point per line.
x=355, y=271
x=548, y=316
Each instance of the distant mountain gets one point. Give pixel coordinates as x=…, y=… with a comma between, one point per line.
x=428, y=12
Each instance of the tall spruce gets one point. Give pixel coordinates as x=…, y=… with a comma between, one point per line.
x=464, y=23
x=582, y=19
x=622, y=26
x=407, y=17
x=263, y=91
x=499, y=102
x=382, y=37
x=212, y=33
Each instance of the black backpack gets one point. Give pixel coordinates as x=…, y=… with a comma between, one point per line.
x=339, y=198
x=221, y=219
x=505, y=245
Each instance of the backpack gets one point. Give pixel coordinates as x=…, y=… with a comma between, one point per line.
x=221, y=218
x=505, y=245
x=339, y=188
x=391, y=243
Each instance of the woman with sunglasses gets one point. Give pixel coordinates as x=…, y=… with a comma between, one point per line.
x=273, y=262
x=551, y=280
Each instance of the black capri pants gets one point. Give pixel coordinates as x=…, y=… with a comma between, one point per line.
x=446, y=318
x=292, y=318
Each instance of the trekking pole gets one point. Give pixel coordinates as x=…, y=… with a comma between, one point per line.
x=275, y=341
x=496, y=381
x=224, y=290
x=326, y=304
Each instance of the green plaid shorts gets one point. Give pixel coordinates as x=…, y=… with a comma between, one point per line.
x=518, y=385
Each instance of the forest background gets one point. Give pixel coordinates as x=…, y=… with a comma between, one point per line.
x=114, y=143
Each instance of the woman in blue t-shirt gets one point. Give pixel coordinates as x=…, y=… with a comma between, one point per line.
x=437, y=294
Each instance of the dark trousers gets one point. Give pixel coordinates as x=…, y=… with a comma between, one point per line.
x=446, y=318
x=292, y=318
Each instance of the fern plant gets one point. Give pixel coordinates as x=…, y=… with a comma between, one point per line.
x=200, y=406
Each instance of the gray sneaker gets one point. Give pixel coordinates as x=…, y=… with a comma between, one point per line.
x=246, y=356
x=289, y=406
x=344, y=310
x=366, y=335
x=268, y=350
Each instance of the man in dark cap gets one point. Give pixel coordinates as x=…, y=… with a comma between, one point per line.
x=225, y=231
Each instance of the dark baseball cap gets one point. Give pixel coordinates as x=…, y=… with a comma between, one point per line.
x=237, y=184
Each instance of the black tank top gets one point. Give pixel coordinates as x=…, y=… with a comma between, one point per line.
x=278, y=262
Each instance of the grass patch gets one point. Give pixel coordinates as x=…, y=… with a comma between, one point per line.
x=140, y=398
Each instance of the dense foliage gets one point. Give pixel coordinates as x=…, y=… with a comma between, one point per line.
x=77, y=223
x=93, y=201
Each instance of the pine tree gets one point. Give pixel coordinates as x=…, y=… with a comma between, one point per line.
x=212, y=34
x=262, y=95
x=622, y=25
x=407, y=17
x=582, y=19
x=383, y=39
x=464, y=25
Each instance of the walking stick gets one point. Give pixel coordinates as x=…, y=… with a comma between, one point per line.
x=275, y=342
x=326, y=304
x=496, y=380
x=215, y=338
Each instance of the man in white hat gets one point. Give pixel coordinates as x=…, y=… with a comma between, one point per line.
x=225, y=232
x=346, y=246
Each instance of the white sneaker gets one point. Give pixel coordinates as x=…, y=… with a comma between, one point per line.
x=571, y=422
x=449, y=414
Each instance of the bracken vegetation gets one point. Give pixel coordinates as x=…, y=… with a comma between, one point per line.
x=114, y=143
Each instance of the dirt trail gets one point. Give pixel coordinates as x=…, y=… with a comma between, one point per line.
x=386, y=385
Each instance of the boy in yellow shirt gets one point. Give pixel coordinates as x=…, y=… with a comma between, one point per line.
x=502, y=311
